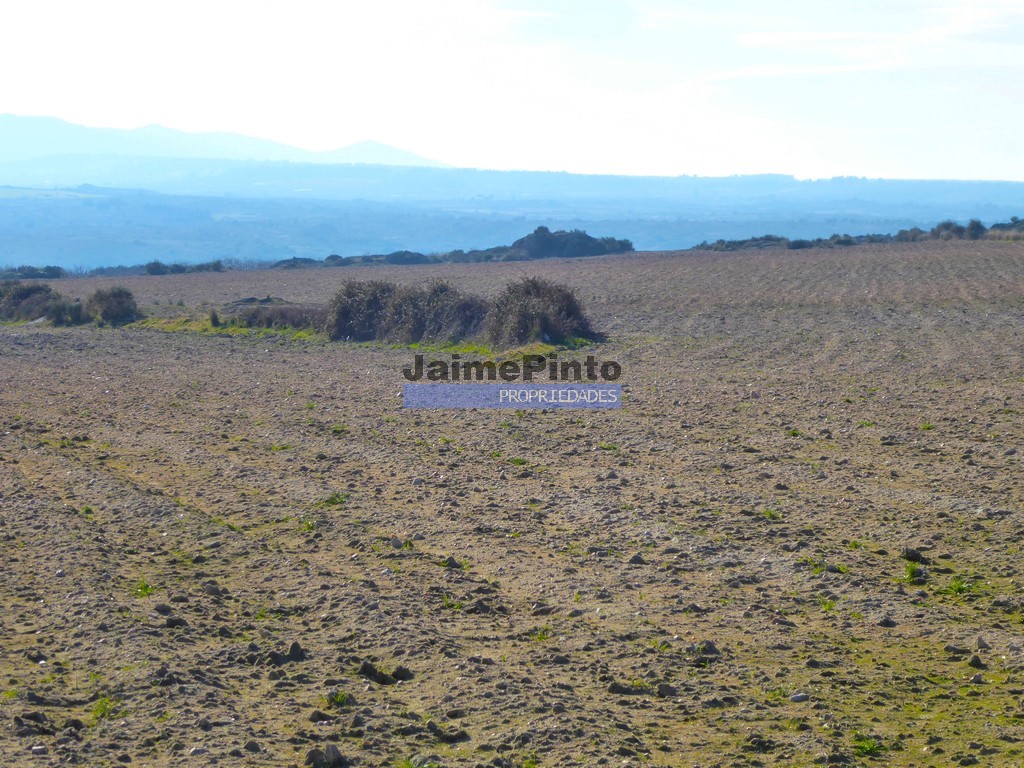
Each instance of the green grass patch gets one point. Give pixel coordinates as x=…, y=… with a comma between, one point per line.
x=867, y=746
x=105, y=708
x=336, y=499
x=958, y=585
x=542, y=634
x=451, y=603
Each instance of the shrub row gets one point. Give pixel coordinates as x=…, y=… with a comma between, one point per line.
x=280, y=316
x=529, y=310
x=160, y=268
x=32, y=301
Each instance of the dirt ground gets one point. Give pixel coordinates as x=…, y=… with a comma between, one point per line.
x=797, y=543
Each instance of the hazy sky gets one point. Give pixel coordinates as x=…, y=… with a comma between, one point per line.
x=900, y=88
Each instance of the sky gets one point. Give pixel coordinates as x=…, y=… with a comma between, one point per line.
x=883, y=89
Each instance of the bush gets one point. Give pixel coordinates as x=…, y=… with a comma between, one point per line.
x=381, y=311
x=282, y=316
x=63, y=312
x=948, y=230
x=27, y=272
x=25, y=301
x=975, y=230
x=530, y=310
x=112, y=306
x=159, y=268
x=355, y=311
x=439, y=312
x=535, y=310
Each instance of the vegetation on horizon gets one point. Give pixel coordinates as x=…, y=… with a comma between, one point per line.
x=542, y=243
x=946, y=230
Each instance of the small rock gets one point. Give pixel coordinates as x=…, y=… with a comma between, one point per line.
x=175, y=621
x=332, y=757
x=977, y=679
x=401, y=673
x=887, y=621
x=914, y=556
x=60, y=573
x=198, y=751
x=162, y=608
x=447, y=737
x=976, y=662
x=397, y=543
x=39, y=750
x=637, y=559
x=369, y=670
x=295, y=653
x=451, y=562
x=705, y=648
x=800, y=697
x=213, y=589
x=252, y=746
x=316, y=716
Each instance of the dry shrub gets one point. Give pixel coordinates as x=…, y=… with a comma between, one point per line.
x=112, y=306
x=354, y=312
x=375, y=310
x=439, y=312
x=283, y=316
x=25, y=301
x=534, y=309
x=64, y=312
x=529, y=310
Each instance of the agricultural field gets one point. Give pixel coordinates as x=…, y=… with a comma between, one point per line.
x=799, y=541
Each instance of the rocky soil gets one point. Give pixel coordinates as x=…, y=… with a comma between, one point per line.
x=798, y=543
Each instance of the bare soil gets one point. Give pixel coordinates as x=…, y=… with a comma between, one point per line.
x=798, y=542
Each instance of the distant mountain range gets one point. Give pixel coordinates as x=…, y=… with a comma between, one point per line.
x=75, y=196
x=35, y=138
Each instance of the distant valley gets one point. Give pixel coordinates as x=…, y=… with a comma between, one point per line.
x=84, y=197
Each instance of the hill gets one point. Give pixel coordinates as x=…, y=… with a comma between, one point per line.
x=29, y=140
